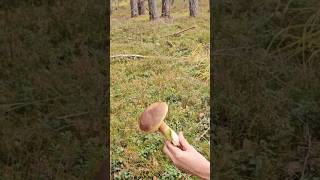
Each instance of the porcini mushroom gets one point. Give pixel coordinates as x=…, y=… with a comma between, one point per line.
x=152, y=119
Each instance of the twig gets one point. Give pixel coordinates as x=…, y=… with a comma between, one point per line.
x=146, y=57
x=73, y=115
x=235, y=49
x=179, y=32
x=14, y=106
x=308, y=152
x=205, y=132
x=128, y=56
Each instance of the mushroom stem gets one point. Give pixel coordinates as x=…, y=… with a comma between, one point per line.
x=165, y=130
x=169, y=134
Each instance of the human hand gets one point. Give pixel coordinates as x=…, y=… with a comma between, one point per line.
x=187, y=158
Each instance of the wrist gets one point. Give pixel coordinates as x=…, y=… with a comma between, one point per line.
x=204, y=171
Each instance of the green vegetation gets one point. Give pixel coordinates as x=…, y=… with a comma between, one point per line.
x=176, y=71
x=52, y=71
x=267, y=90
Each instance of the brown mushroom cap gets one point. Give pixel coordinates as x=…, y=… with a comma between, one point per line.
x=152, y=117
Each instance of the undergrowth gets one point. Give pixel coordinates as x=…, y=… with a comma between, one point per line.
x=177, y=72
x=267, y=90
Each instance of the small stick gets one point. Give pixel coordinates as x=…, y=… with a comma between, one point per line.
x=179, y=32
x=14, y=106
x=73, y=115
x=145, y=57
x=203, y=134
x=128, y=56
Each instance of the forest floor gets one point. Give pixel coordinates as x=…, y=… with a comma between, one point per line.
x=52, y=103
x=267, y=90
x=176, y=71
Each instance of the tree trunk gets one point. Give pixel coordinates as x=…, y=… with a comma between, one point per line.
x=193, y=7
x=152, y=9
x=134, y=8
x=165, y=9
x=117, y=4
x=110, y=7
x=141, y=7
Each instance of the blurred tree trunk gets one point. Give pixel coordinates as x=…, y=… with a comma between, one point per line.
x=193, y=7
x=117, y=4
x=110, y=7
x=152, y=9
x=141, y=7
x=165, y=9
x=134, y=8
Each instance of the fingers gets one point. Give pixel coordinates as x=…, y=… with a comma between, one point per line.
x=173, y=152
x=184, y=143
x=173, y=149
x=168, y=153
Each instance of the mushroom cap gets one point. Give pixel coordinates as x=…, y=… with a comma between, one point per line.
x=153, y=116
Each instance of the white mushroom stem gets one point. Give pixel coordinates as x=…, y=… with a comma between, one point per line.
x=169, y=134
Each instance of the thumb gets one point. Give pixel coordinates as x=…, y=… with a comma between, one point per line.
x=184, y=143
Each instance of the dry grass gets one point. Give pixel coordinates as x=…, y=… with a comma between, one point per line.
x=52, y=73
x=178, y=73
x=267, y=90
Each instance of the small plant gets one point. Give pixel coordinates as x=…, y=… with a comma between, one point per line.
x=116, y=165
x=171, y=172
x=124, y=175
x=148, y=150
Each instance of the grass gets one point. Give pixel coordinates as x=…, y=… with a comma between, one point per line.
x=177, y=73
x=267, y=90
x=52, y=111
